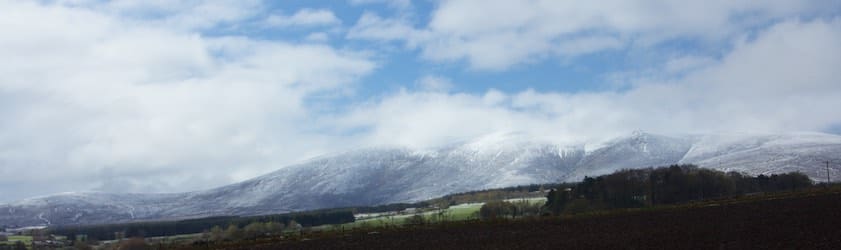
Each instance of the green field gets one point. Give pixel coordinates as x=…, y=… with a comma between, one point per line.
x=464, y=212
x=25, y=239
x=454, y=213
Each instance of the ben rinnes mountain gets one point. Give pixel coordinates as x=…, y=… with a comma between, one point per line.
x=388, y=175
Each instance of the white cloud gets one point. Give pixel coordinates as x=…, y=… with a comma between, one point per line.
x=370, y=26
x=93, y=101
x=398, y=4
x=182, y=15
x=497, y=34
x=587, y=45
x=687, y=63
x=304, y=17
x=435, y=83
x=318, y=37
x=783, y=80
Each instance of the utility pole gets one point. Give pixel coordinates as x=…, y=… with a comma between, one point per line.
x=827, y=172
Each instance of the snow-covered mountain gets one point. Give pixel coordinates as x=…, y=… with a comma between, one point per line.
x=388, y=175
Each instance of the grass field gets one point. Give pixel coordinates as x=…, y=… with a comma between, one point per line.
x=453, y=213
x=464, y=211
x=459, y=212
x=25, y=239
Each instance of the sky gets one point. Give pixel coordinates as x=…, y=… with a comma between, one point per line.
x=173, y=96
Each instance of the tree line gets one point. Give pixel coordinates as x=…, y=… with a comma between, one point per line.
x=510, y=209
x=191, y=226
x=632, y=188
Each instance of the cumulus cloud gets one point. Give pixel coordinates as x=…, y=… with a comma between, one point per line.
x=494, y=35
x=371, y=26
x=93, y=101
x=784, y=79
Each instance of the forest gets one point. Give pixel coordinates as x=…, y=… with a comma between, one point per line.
x=633, y=188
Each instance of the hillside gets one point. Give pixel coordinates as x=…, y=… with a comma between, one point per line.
x=391, y=175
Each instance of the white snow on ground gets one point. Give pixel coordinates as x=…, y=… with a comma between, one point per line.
x=41, y=217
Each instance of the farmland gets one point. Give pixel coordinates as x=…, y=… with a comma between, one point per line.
x=453, y=213
x=460, y=212
x=805, y=220
x=27, y=240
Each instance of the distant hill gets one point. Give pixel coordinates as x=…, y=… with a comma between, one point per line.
x=389, y=175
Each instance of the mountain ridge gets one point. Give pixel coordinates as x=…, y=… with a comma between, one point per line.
x=381, y=175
